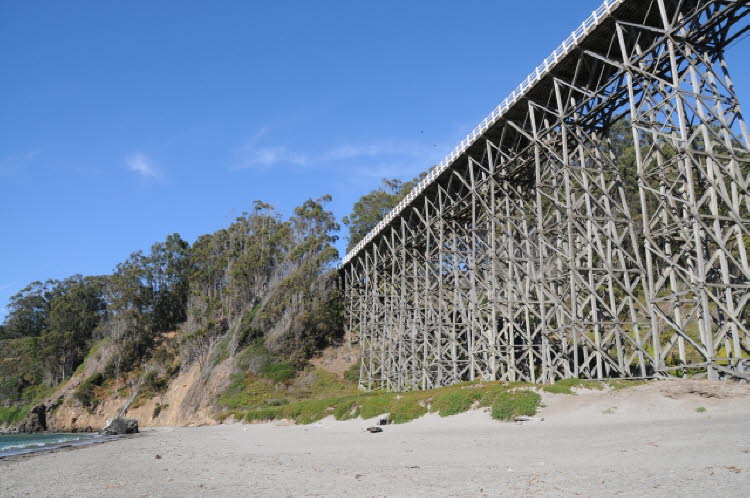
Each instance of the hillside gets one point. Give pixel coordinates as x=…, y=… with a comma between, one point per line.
x=184, y=333
x=196, y=395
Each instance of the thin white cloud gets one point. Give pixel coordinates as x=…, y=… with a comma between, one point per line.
x=14, y=162
x=352, y=151
x=142, y=165
x=388, y=170
x=264, y=157
x=252, y=155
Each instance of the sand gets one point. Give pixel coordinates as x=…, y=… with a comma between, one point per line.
x=645, y=441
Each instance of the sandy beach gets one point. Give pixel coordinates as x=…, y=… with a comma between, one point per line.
x=648, y=441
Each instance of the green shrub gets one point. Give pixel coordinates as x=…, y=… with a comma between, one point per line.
x=153, y=382
x=700, y=409
x=245, y=392
x=279, y=372
x=263, y=414
x=558, y=389
x=84, y=393
x=511, y=404
x=329, y=385
x=247, y=330
x=490, y=390
x=455, y=401
x=346, y=408
x=372, y=405
x=13, y=414
x=220, y=350
x=10, y=387
x=174, y=367
x=308, y=411
x=254, y=358
x=234, y=395
x=506, y=399
x=565, y=386
x=489, y=394
x=352, y=374
x=34, y=393
x=157, y=411
x=405, y=409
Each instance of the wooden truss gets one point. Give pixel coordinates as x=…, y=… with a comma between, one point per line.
x=532, y=258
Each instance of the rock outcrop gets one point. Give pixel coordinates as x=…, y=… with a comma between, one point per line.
x=35, y=421
x=121, y=426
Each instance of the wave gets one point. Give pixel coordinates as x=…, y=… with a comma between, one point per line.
x=39, y=443
x=14, y=446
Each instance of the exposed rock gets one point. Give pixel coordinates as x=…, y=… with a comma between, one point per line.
x=189, y=398
x=35, y=421
x=374, y=429
x=121, y=426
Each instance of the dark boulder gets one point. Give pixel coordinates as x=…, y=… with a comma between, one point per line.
x=35, y=421
x=121, y=426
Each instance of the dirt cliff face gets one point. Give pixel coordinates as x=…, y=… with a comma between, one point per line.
x=189, y=399
x=187, y=395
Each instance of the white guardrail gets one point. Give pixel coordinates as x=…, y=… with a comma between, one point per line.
x=590, y=23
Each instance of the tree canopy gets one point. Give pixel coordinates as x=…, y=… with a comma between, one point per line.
x=373, y=206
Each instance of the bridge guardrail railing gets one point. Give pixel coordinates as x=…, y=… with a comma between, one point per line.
x=540, y=71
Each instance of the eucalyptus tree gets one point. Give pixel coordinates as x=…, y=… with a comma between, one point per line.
x=74, y=315
x=28, y=309
x=373, y=206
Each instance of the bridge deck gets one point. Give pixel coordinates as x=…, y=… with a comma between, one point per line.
x=593, y=34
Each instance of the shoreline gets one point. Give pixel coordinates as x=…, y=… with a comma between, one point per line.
x=645, y=441
x=70, y=445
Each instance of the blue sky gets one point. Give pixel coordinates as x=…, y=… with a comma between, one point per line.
x=122, y=122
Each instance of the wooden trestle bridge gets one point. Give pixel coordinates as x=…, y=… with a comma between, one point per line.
x=528, y=254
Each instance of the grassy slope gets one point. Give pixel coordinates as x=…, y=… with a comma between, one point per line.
x=506, y=400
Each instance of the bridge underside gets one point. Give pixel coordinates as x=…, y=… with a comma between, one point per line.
x=599, y=229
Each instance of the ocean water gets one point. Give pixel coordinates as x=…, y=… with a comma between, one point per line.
x=16, y=444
